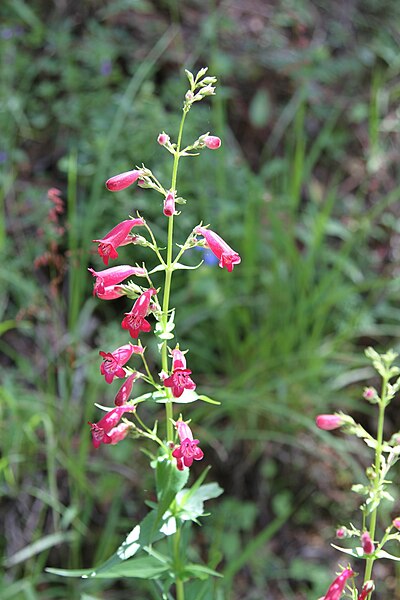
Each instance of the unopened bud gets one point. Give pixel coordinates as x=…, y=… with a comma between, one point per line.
x=189, y=96
x=169, y=204
x=329, y=422
x=367, y=544
x=370, y=394
x=367, y=588
x=341, y=533
x=122, y=181
x=212, y=142
x=163, y=138
x=396, y=523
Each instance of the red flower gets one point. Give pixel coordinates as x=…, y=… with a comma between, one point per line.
x=104, y=432
x=329, y=422
x=226, y=256
x=112, y=276
x=212, y=142
x=111, y=292
x=124, y=391
x=135, y=319
x=122, y=181
x=118, y=236
x=113, y=361
x=169, y=204
x=180, y=379
x=188, y=449
x=336, y=589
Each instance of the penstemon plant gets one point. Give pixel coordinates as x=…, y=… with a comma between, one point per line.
x=370, y=540
x=156, y=548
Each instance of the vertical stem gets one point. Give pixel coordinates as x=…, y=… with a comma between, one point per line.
x=168, y=279
x=180, y=591
x=378, y=455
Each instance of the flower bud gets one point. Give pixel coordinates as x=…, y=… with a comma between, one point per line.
x=122, y=181
x=169, y=204
x=329, y=422
x=367, y=544
x=163, y=138
x=341, y=533
x=212, y=142
x=370, y=394
x=396, y=523
x=367, y=588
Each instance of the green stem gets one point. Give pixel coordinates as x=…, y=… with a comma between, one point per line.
x=378, y=456
x=168, y=279
x=180, y=589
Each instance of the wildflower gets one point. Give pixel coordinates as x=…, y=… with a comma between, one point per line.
x=114, y=361
x=135, y=319
x=212, y=142
x=367, y=588
x=180, y=379
x=188, y=449
x=226, y=256
x=336, y=589
x=367, y=544
x=329, y=422
x=163, y=138
x=110, y=277
x=124, y=391
x=103, y=432
x=169, y=204
x=118, y=236
x=123, y=180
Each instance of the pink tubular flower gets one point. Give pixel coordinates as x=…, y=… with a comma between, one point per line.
x=180, y=379
x=113, y=361
x=124, y=391
x=118, y=236
x=101, y=431
x=188, y=449
x=226, y=256
x=367, y=588
x=111, y=292
x=135, y=319
x=110, y=277
x=169, y=204
x=119, y=433
x=367, y=544
x=329, y=422
x=122, y=181
x=336, y=589
x=212, y=142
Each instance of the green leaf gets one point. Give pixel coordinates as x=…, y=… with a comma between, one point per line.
x=200, y=571
x=146, y=567
x=208, y=399
x=356, y=552
x=191, y=504
x=181, y=266
x=384, y=554
x=169, y=481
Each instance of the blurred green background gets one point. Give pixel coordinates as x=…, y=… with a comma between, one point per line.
x=305, y=187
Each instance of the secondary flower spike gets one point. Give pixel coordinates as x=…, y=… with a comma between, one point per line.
x=122, y=181
x=336, y=589
x=113, y=275
x=118, y=236
x=114, y=361
x=226, y=255
x=135, y=320
x=188, y=450
x=103, y=431
x=180, y=379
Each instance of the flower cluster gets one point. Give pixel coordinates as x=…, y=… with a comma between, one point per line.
x=151, y=302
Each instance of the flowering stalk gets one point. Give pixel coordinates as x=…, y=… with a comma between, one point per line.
x=178, y=450
x=386, y=454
